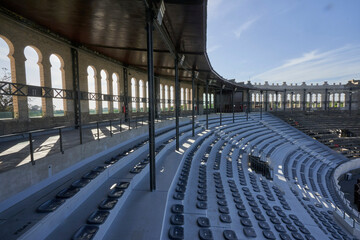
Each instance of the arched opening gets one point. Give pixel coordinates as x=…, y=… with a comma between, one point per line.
x=91, y=79
x=298, y=100
x=141, y=95
x=115, y=92
x=57, y=81
x=33, y=77
x=342, y=100
x=133, y=94
x=313, y=100
x=319, y=104
x=104, y=90
x=171, y=98
x=279, y=100
x=336, y=100
x=166, y=97
x=182, y=98
x=212, y=101
x=191, y=100
x=6, y=101
x=186, y=98
x=331, y=100
x=161, y=98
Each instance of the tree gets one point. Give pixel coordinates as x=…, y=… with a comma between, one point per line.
x=6, y=101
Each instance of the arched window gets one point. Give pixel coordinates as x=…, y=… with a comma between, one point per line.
x=331, y=100
x=314, y=100
x=212, y=100
x=319, y=100
x=253, y=97
x=336, y=100
x=186, y=98
x=91, y=78
x=342, y=100
x=257, y=98
x=133, y=94
x=115, y=91
x=141, y=95
x=279, y=100
x=182, y=98
x=6, y=101
x=104, y=90
x=172, y=98
x=204, y=100
x=161, y=98
x=57, y=81
x=298, y=100
x=166, y=97
x=33, y=69
x=191, y=99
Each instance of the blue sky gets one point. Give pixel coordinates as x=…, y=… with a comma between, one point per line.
x=285, y=40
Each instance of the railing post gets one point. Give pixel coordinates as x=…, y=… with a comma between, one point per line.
x=31, y=150
x=111, y=129
x=61, y=143
x=98, y=132
x=120, y=124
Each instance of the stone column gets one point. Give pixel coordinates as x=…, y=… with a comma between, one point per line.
x=18, y=73
x=45, y=79
x=97, y=77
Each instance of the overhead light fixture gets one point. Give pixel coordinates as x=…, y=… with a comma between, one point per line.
x=161, y=12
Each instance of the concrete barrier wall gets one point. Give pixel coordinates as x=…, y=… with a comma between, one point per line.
x=22, y=181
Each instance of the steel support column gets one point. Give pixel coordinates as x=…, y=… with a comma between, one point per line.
x=206, y=104
x=193, y=102
x=177, y=103
x=149, y=30
x=291, y=101
x=76, y=85
x=220, y=104
x=126, y=93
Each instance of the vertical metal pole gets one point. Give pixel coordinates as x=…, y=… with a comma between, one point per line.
x=98, y=132
x=206, y=104
x=61, y=142
x=76, y=86
x=276, y=100
x=177, y=103
x=310, y=102
x=232, y=104
x=261, y=103
x=151, y=93
x=193, y=103
x=220, y=104
x=120, y=129
x=31, y=150
x=126, y=93
x=111, y=129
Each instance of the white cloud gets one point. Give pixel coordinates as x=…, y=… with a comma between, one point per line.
x=246, y=25
x=341, y=64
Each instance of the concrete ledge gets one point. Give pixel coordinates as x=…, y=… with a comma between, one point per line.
x=28, y=179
